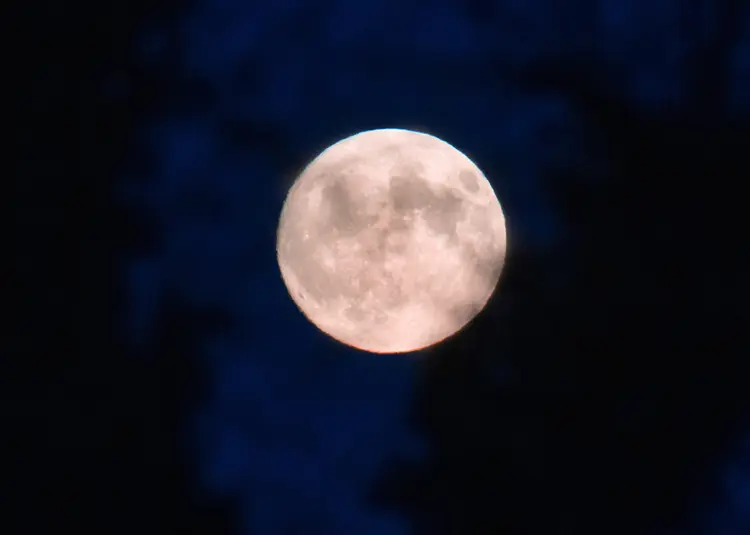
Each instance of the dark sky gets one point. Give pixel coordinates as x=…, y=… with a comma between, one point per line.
x=168, y=384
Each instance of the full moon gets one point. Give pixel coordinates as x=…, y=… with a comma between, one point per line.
x=391, y=241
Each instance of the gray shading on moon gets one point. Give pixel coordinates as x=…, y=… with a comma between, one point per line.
x=391, y=241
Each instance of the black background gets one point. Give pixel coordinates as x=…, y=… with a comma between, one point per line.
x=604, y=388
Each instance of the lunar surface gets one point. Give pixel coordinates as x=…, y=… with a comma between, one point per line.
x=391, y=241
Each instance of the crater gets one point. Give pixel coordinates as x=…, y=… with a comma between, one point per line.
x=444, y=213
x=344, y=216
x=469, y=180
x=400, y=224
x=355, y=313
x=409, y=191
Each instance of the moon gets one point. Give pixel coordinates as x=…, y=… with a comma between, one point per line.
x=391, y=241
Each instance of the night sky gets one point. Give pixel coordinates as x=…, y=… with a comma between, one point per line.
x=162, y=380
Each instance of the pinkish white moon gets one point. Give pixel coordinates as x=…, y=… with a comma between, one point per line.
x=391, y=241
